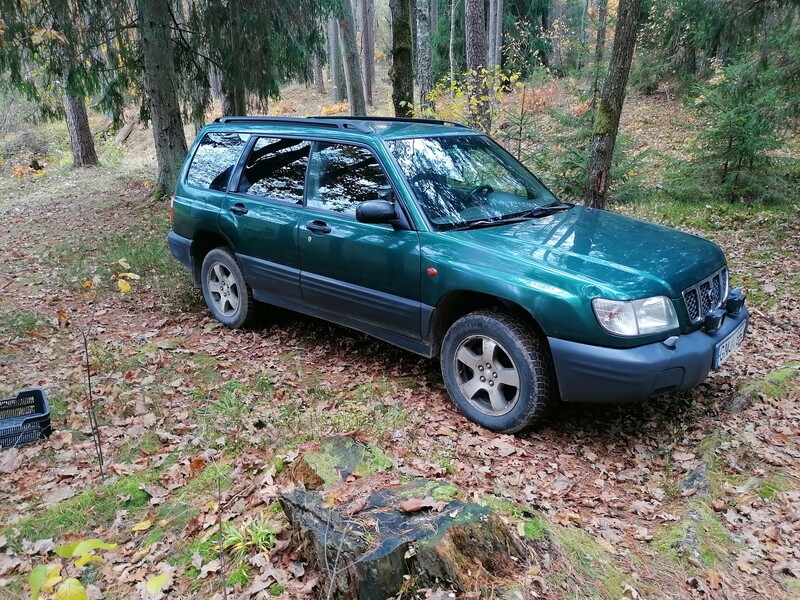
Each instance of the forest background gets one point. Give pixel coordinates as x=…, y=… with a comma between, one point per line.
x=692, y=496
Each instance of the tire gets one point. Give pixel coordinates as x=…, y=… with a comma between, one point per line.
x=225, y=291
x=497, y=371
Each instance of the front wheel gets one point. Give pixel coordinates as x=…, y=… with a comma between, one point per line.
x=497, y=372
x=225, y=291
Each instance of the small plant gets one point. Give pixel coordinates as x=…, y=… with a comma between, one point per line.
x=258, y=535
x=48, y=579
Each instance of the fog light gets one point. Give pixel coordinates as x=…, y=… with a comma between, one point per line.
x=713, y=320
x=735, y=301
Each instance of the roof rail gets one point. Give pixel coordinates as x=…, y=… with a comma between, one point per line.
x=286, y=120
x=394, y=120
x=335, y=122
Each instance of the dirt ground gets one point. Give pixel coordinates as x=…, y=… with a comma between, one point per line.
x=696, y=495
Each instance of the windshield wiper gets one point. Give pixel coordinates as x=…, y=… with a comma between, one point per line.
x=534, y=213
x=547, y=209
x=490, y=222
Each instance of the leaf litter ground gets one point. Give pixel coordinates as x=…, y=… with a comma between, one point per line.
x=694, y=495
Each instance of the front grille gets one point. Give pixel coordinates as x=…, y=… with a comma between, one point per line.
x=706, y=295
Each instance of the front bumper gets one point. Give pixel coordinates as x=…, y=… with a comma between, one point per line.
x=597, y=374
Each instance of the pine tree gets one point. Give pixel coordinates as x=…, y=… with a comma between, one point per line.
x=402, y=72
x=161, y=91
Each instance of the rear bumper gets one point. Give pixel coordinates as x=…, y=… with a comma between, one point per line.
x=597, y=374
x=181, y=248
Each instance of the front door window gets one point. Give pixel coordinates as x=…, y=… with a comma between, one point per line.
x=342, y=176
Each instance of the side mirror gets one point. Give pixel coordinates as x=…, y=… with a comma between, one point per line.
x=376, y=211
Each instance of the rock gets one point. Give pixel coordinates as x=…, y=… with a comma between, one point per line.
x=697, y=480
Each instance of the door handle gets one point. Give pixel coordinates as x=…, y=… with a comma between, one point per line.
x=238, y=209
x=320, y=227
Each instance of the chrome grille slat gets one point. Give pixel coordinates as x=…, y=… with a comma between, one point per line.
x=706, y=295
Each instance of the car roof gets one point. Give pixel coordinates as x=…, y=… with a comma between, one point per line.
x=344, y=127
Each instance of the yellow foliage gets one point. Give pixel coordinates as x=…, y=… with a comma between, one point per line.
x=155, y=584
x=51, y=579
x=40, y=35
x=287, y=107
x=123, y=286
x=142, y=525
x=71, y=589
x=20, y=171
x=335, y=109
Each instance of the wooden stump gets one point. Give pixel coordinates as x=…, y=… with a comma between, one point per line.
x=366, y=535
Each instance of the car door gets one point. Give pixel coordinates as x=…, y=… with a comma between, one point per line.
x=369, y=273
x=261, y=215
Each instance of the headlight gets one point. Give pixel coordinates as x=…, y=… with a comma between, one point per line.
x=635, y=317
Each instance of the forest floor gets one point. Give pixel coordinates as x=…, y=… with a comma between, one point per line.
x=693, y=495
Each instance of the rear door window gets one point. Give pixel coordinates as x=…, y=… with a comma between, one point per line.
x=214, y=160
x=276, y=169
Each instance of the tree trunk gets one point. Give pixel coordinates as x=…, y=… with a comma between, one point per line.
x=160, y=89
x=602, y=12
x=402, y=72
x=453, y=7
x=235, y=95
x=490, y=34
x=606, y=123
x=316, y=72
x=352, y=64
x=368, y=46
x=479, y=116
x=497, y=59
x=80, y=135
x=557, y=58
x=412, y=10
x=424, y=75
x=338, y=91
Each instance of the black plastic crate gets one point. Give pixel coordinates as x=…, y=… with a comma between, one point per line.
x=24, y=419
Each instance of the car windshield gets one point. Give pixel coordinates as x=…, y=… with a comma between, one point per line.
x=462, y=180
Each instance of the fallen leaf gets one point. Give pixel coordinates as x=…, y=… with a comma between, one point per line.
x=8, y=564
x=210, y=567
x=562, y=484
x=142, y=525
x=82, y=547
x=714, y=579
x=197, y=464
x=10, y=460
x=140, y=554
x=684, y=456
x=155, y=585
x=417, y=504
x=57, y=495
x=791, y=567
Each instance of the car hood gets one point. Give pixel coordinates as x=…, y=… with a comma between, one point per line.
x=619, y=254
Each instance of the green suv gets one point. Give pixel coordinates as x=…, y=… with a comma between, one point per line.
x=430, y=236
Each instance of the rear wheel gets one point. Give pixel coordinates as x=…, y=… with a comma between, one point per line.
x=226, y=293
x=497, y=372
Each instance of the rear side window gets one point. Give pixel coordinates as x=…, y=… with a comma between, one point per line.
x=276, y=169
x=214, y=160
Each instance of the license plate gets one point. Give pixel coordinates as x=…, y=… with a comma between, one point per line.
x=729, y=345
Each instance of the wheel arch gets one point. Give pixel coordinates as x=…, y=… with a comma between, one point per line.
x=203, y=242
x=457, y=303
